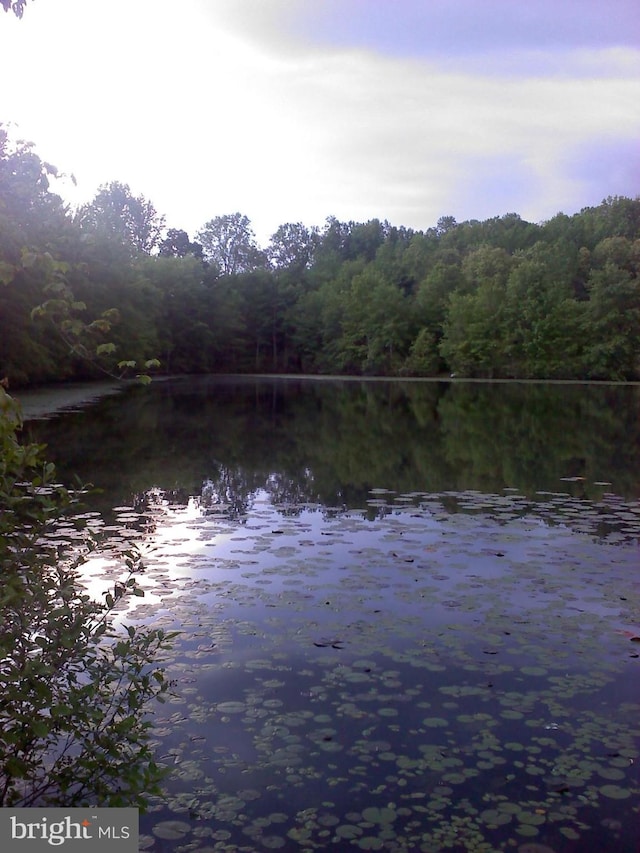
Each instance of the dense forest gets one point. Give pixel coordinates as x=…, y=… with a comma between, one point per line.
x=108, y=287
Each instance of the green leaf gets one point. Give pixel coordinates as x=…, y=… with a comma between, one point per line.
x=100, y=326
x=40, y=728
x=15, y=767
x=73, y=327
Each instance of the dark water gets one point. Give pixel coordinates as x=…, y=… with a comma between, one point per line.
x=408, y=610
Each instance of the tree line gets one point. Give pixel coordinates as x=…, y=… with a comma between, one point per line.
x=108, y=284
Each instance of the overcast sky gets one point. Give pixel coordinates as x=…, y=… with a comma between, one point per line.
x=295, y=110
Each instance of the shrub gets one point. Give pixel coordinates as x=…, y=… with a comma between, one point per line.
x=76, y=690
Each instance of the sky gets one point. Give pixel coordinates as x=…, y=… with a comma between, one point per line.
x=297, y=110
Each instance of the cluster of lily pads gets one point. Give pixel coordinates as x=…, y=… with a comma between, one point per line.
x=427, y=672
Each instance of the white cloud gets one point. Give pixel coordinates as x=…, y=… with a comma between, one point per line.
x=204, y=119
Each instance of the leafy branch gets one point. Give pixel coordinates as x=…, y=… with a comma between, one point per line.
x=75, y=689
x=63, y=312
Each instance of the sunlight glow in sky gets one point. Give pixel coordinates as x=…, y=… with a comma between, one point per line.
x=295, y=110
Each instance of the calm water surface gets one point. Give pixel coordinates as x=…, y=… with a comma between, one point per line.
x=409, y=611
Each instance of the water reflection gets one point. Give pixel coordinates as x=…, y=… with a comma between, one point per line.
x=331, y=442
x=407, y=610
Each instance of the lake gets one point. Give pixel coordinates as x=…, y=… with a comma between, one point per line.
x=408, y=610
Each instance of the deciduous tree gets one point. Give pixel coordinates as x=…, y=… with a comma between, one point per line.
x=229, y=243
x=128, y=219
x=177, y=244
x=293, y=246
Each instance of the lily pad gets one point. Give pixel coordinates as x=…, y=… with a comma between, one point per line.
x=435, y=722
x=171, y=830
x=379, y=815
x=369, y=842
x=615, y=792
x=232, y=707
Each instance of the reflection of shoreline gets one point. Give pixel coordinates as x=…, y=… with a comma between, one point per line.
x=331, y=442
x=413, y=380
x=43, y=403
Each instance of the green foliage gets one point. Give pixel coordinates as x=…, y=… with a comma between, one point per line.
x=63, y=311
x=176, y=244
x=229, y=244
x=124, y=218
x=612, y=314
x=501, y=298
x=543, y=317
x=75, y=690
x=374, y=322
x=424, y=358
x=292, y=247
